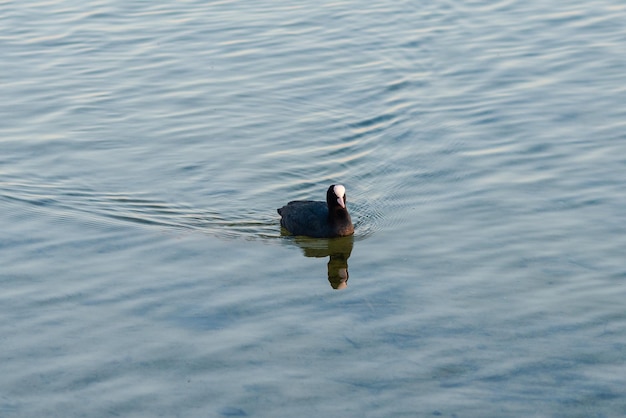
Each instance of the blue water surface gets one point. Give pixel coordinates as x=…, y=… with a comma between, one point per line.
x=145, y=147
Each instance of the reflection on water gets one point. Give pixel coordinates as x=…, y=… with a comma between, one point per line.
x=337, y=249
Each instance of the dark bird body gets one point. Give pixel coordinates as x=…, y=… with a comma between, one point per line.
x=318, y=219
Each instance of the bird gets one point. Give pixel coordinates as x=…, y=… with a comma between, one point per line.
x=317, y=219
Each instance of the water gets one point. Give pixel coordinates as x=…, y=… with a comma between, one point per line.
x=144, y=148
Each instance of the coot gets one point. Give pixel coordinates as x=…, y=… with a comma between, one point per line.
x=319, y=219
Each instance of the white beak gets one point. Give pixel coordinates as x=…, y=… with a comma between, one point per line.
x=341, y=203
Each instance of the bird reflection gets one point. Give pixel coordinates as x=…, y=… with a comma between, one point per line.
x=338, y=249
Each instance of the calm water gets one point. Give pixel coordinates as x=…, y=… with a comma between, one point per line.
x=144, y=148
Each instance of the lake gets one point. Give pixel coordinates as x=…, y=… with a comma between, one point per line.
x=145, y=147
